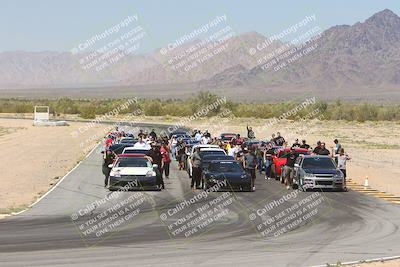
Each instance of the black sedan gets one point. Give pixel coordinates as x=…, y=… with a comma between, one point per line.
x=228, y=174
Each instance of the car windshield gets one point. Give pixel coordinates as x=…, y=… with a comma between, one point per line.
x=134, y=162
x=216, y=157
x=128, y=140
x=136, y=151
x=222, y=167
x=212, y=152
x=318, y=163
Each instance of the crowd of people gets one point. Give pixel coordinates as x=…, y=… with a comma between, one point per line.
x=255, y=155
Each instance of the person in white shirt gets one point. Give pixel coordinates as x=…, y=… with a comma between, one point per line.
x=198, y=136
x=342, y=158
x=205, y=140
x=233, y=150
x=141, y=144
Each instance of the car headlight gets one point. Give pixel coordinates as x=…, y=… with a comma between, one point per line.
x=244, y=176
x=150, y=174
x=116, y=175
x=338, y=176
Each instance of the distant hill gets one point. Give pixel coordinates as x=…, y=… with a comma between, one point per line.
x=361, y=61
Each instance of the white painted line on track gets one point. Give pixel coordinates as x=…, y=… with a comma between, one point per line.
x=361, y=261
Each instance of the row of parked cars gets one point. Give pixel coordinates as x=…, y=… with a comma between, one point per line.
x=310, y=171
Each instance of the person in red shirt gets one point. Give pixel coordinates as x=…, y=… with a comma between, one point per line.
x=108, y=142
x=166, y=160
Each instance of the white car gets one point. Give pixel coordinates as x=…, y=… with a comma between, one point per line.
x=204, y=150
x=133, y=172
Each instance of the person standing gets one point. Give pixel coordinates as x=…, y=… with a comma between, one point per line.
x=180, y=153
x=323, y=151
x=196, y=168
x=279, y=140
x=156, y=157
x=304, y=144
x=172, y=144
x=296, y=143
x=153, y=135
x=267, y=163
x=198, y=136
x=166, y=160
x=250, y=132
x=342, y=158
x=109, y=157
x=336, y=149
x=260, y=149
x=317, y=148
x=250, y=165
x=289, y=168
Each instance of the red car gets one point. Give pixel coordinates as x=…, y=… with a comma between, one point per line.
x=280, y=158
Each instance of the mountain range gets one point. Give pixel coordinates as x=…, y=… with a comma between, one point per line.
x=360, y=61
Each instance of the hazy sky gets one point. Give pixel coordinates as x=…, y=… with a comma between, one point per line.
x=60, y=25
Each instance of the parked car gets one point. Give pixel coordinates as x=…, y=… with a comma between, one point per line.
x=227, y=137
x=280, y=158
x=133, y=171
x=315, y=171
x=229, y=171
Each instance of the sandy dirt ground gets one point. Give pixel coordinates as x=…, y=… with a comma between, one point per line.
x=392, y=263
x=35, y=158
x=373, y=146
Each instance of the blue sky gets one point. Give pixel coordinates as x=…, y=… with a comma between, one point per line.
x=59, y=25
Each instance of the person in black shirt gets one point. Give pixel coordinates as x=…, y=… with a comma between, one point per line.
x=304, y=144
x=279, y=140
x=180, y=153
x=153, y=134
x=289, y=168
x=317, y=148
x=323, y=150
x=108, y=159
x=156, y=157
x=296, y=143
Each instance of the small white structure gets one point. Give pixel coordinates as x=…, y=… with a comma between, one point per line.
x=42, y=117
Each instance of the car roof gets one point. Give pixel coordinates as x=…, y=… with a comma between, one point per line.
x=296, y=149
x=225, y=161
x=206, y=146
x=131, y=155
x=217, y=156
x=134, y=148
x=316, y=156
x=212, y=149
